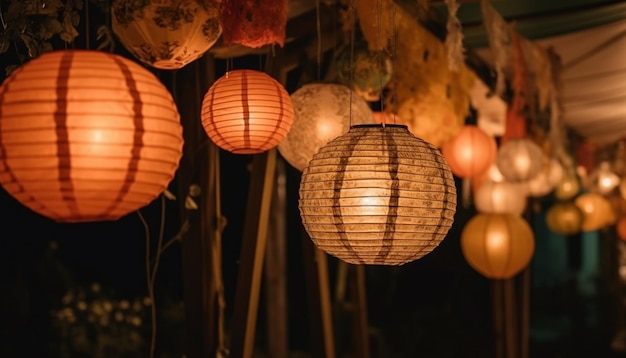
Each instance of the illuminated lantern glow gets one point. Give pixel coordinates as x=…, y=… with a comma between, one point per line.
x=246, y=112
x=498, y=246
x=323, y=111
x=500, y=198
x=602, y=180
x=564, y=218
x=86, y=136
x=620, y=228
x=471, y=152
x=166, y=34
x=377, y=195
x=547, y=180
x=519, y=159
x=597, y=210
x=568, y=187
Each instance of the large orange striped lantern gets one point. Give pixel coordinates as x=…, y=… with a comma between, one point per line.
x=498, y=246
x=377, y=195
x=246, y=112
x=86, y=136
x=471, y=152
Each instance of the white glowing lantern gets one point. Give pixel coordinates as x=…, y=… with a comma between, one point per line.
x=544, y=182
x=603, y=180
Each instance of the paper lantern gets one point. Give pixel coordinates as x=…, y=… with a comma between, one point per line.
x=568, y=187
x=471, y=152
x=377, y=195
x=323, y=111
x=246, y=112
x=366, y=71
x=500, y=198
x=498, y=246
x=547, y=179
x=519, y=159
x=86, y=136
x=597, y=211
x=602, y=180
x=620, y=228
x=564, y=218
x=166, y=34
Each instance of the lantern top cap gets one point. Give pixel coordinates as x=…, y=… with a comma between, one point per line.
x=375, y=125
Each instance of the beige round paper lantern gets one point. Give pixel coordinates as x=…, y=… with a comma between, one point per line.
x=323, y=111
x=547, y=179
x=166, y=34
x=500, y=198
x=498, y=246
x=377, y=195
x=246, y=112
x=597, y=211
x=519, y=159
x=564, y=218
x=603, y=180
x=86, y=136
x=568, y=187
x=471, y=152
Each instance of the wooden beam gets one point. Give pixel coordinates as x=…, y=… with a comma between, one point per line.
x=252, y=254
x=359, y=315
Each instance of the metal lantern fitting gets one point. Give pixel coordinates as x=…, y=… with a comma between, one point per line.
x=86, y=136
x=246, y=112
x=377, y=195
x=498, y=246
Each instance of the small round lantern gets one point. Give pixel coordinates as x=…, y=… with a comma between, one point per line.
x=546, y=181
x=166, y=34
x=246, y=112
x=620, y=227
x=519, y=159
x=500, y=198
x=603, y=180
x=323, y=111
x=86, y=136
x=597, y=211
x=377, y=195
x=366, y=71
x=471, y=152
x=564, y=218
x=568, y=187
x=498, y=246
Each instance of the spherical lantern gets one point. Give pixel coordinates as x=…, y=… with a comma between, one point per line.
x=166, y=34
x=86, y=136
x=498, y=246
x=471, y=152
x=597, y=211
x=564, y=218
x=547, y=179
x=377, y=195
x=603, y=180
x=500, y=198
x=366, y=71
x=519, y=159
x=323, y=111
x=568, y=187
x=620, y=227
x=246, y=112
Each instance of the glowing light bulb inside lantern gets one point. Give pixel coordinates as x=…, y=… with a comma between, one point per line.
x=522, y=163
x=327, y=130
x=495, y=242
x=372, y=206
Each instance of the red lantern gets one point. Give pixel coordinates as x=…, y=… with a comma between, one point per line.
x=471, y=152
x=86, y=136
x=254, y=23
x=620, y=227
x=247, y=112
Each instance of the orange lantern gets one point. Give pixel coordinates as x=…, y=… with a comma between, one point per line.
x=498, y=246
x=86, y=136
x=568, y=187
x=471, y=152
x=246, y=112
x=166, y=34
x=620, y=227
x=564, y=218
x=597, y=211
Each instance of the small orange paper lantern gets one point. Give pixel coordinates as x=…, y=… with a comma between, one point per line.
x=166, y=34
x=568, y=187
x=620, y=227
x=86, y=136
x=498, y=246
x=471, y=152
x=564, y=218
x=247, y=112
x=597, y=211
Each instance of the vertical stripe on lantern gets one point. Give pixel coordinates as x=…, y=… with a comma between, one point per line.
x=133, y=162
x=394, y=198
x=63, y=141
x=280, y=116
x=246, y=110
x=338, y=183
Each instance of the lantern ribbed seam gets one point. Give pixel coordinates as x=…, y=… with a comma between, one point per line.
x=246, y=110
x=394, y=198
x=280, y=115
x=63, y=142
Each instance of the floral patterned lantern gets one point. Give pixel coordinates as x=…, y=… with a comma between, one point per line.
x=246, y=112
x=564, y=218
x=498, y=246
x=323, y=111
x=166, y=34
x=377, y=195
x=519, y=159
x=471, y=152
x=86, y=136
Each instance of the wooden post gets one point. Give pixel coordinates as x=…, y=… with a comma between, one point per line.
x=359, y=315
x=252, y=254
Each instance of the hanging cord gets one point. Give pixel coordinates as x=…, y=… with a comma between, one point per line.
x=380, y=61
x=87, y=37
x=318, y=24
x=352, y=22
x=394, y=95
